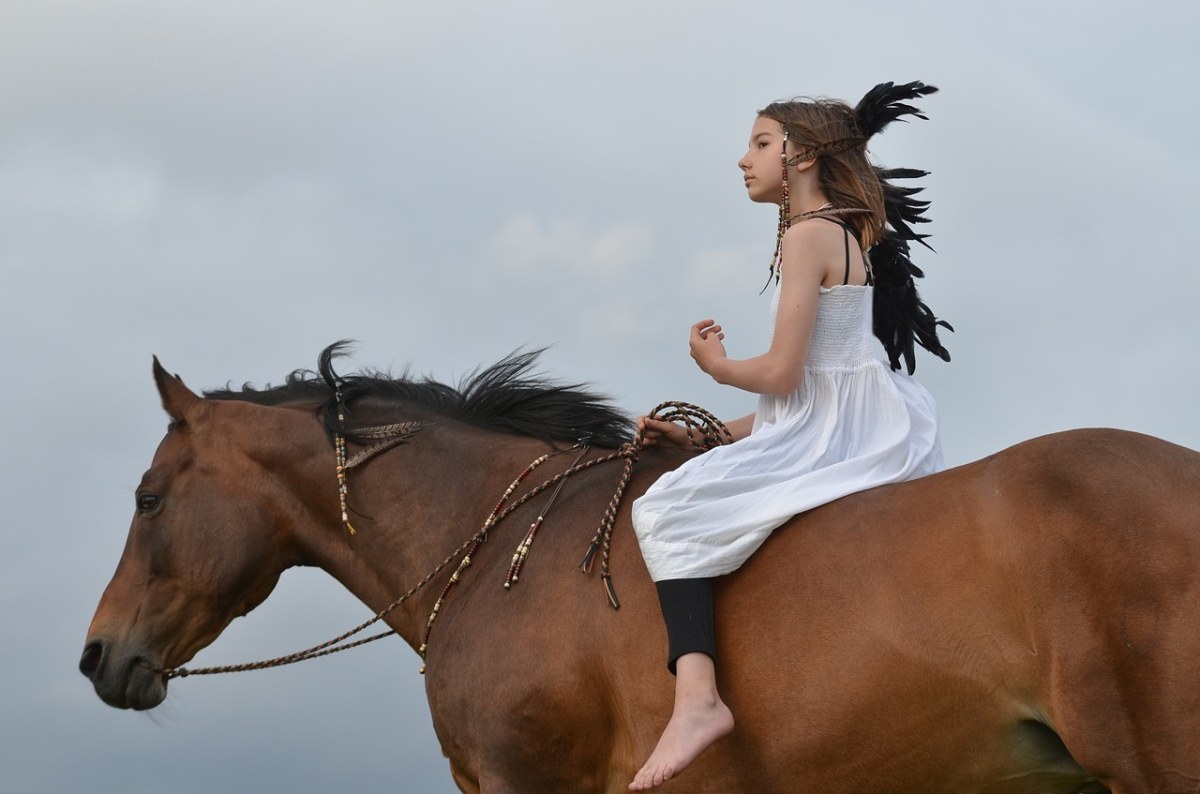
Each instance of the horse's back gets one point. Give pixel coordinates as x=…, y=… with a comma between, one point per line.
x=977, y=611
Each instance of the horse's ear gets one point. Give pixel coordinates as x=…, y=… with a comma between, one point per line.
x=177, y=398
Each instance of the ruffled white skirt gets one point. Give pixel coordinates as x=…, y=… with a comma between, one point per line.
x=853, y=424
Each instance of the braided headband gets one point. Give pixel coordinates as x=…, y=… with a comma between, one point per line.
x=827, y=149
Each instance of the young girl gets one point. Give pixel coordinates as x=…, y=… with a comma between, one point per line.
x=832, y=418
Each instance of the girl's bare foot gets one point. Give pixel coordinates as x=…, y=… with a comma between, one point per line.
x=700, y=718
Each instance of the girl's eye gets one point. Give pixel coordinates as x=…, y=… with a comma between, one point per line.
x=147, y=502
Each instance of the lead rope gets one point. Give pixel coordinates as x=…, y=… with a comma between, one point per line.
x=704, y=430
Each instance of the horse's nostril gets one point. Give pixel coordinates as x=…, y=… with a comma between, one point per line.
x=89, y=663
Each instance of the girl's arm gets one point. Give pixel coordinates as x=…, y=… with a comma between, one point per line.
x=808, y=257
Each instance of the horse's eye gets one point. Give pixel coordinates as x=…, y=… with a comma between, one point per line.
x=147, y=502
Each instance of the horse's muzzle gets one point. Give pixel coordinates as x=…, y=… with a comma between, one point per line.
x=123, y=680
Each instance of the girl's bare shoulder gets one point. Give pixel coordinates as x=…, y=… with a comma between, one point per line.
x=815, y=246
x=816, y=233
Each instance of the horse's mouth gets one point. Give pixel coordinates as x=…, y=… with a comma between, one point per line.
x=123, y=681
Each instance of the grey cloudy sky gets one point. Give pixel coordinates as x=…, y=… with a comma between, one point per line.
x=234, y=185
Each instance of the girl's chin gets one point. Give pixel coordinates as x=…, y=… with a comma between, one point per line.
x=759, y=198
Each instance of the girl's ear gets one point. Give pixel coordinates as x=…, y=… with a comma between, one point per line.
x=804, y=166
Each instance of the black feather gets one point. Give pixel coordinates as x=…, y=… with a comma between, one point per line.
x=885, y=103
x=901, y=319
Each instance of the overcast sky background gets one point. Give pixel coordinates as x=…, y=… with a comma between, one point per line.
x=234, y=185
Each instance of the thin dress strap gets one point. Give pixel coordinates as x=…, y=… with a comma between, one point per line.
x=846, y=278
x=846, y=228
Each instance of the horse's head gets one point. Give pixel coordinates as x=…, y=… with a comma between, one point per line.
x=209, y=539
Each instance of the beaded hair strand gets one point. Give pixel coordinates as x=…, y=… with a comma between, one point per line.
x=785, y=214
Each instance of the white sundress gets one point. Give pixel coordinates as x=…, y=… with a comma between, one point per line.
x=852, y=424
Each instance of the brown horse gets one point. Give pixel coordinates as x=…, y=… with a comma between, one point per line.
x=1025, y=623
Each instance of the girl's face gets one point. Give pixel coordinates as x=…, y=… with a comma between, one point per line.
x=761, y=166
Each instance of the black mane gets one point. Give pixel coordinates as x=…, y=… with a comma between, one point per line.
x=509, y=396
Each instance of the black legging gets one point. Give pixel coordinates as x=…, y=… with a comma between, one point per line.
x=687, y=607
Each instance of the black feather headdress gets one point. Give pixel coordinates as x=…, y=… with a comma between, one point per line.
x=901, y=319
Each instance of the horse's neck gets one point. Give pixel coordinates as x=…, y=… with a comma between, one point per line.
x=411, y=508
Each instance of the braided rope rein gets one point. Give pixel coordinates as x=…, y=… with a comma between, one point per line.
x=705, y=431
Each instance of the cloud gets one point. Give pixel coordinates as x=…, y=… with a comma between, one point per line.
x=527, y=245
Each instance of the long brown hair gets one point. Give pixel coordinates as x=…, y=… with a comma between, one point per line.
x=827, y=130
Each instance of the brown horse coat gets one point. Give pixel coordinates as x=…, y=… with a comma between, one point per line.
x=1001, y=627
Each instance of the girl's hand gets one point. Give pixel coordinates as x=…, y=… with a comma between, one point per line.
x=706, y=345
x=656, y=432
